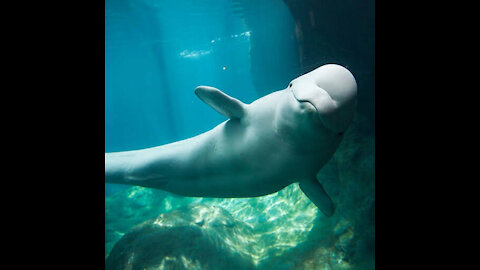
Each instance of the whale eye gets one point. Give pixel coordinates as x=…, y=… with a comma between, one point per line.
x=290, y=85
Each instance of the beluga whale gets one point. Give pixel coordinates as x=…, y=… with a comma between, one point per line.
x=282, y=138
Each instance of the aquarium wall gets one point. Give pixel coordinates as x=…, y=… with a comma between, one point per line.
x=156, y=53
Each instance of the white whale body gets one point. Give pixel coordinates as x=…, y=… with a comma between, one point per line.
x=279, y=139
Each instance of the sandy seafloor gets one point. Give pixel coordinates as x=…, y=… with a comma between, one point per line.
x=154, y=229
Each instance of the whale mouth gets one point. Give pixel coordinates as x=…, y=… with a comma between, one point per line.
x=309, y=106
x=305, y=101
x=320, y=112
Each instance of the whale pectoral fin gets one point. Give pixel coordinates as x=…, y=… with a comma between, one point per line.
x=315, y=192
x=221, y=102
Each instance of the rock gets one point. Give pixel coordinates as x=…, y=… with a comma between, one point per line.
x=199, y=237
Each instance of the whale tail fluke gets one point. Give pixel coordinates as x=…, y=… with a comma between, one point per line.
x=316, y=193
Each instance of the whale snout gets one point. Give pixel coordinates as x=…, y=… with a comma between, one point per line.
x=332, y=90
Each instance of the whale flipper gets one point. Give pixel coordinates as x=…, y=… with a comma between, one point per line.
x=221, y=102
x=315, y=192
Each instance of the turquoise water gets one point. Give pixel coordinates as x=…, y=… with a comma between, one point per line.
x=156, y=53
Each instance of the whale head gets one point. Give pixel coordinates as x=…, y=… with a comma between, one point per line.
x=318, y=106
x=331, y=89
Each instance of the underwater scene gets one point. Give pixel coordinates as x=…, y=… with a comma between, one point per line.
x=216, y=176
